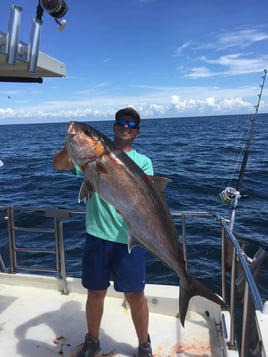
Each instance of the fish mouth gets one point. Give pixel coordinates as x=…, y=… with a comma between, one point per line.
x=75, y=128
x=82, y=136
x=72, y=128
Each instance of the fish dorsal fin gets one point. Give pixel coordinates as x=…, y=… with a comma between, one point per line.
x=160, y=183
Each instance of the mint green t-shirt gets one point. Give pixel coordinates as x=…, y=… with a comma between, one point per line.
x=102, y=219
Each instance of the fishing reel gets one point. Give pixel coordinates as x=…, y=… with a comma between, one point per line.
x=229, y=195
x=56, y=9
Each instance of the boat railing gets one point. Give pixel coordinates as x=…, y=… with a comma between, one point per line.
x=54, y=227
x=251, y=295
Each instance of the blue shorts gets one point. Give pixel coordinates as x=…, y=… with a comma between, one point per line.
x=104, y=261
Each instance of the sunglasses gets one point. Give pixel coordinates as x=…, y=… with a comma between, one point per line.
x=130, y=123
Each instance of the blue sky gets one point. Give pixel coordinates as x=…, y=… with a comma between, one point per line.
x=167, y=58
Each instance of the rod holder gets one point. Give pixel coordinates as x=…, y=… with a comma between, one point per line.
x=34, y=44
x=13, y=34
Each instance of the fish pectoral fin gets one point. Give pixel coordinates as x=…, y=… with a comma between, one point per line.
x=132, y=242
x=85, y=191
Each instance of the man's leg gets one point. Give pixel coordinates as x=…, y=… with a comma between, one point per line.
x=140, y=315
x=94, y=311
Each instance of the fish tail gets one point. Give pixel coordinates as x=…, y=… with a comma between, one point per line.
x=195, y=288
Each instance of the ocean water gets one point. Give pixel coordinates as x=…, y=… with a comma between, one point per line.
x=202, y=155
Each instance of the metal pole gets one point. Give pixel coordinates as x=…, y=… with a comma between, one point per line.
x=13, y=34
x=34, y=44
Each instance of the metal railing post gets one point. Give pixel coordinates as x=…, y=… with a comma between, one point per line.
x=232, y=301
x=223, y=264
x=60, y=248
x=11, y=238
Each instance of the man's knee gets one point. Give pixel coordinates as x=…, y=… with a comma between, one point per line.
x=136, y=298
x=96, y=294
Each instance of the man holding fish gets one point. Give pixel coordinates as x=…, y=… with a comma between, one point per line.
x=106, y=254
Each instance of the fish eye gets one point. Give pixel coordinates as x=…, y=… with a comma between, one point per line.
x=90, y=133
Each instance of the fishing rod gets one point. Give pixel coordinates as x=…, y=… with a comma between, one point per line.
x=231, y=194
x=245, y=159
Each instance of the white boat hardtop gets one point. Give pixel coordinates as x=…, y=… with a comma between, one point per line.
x=46, y=67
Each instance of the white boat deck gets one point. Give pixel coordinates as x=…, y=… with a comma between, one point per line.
x=37, y=320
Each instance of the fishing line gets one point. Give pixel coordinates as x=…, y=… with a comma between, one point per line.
x=234, y=161
x=231, y=194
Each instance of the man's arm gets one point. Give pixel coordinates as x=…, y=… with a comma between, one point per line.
x=62, y=161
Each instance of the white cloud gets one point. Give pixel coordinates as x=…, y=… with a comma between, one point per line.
x=210, y=101
x=179, y=51
x=233, y=64
x=235, y=61
x=237, y=64
x=152, y=102
x=198, y=72
x=241, y=38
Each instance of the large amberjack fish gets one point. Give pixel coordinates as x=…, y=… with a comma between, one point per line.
x=123, y=184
